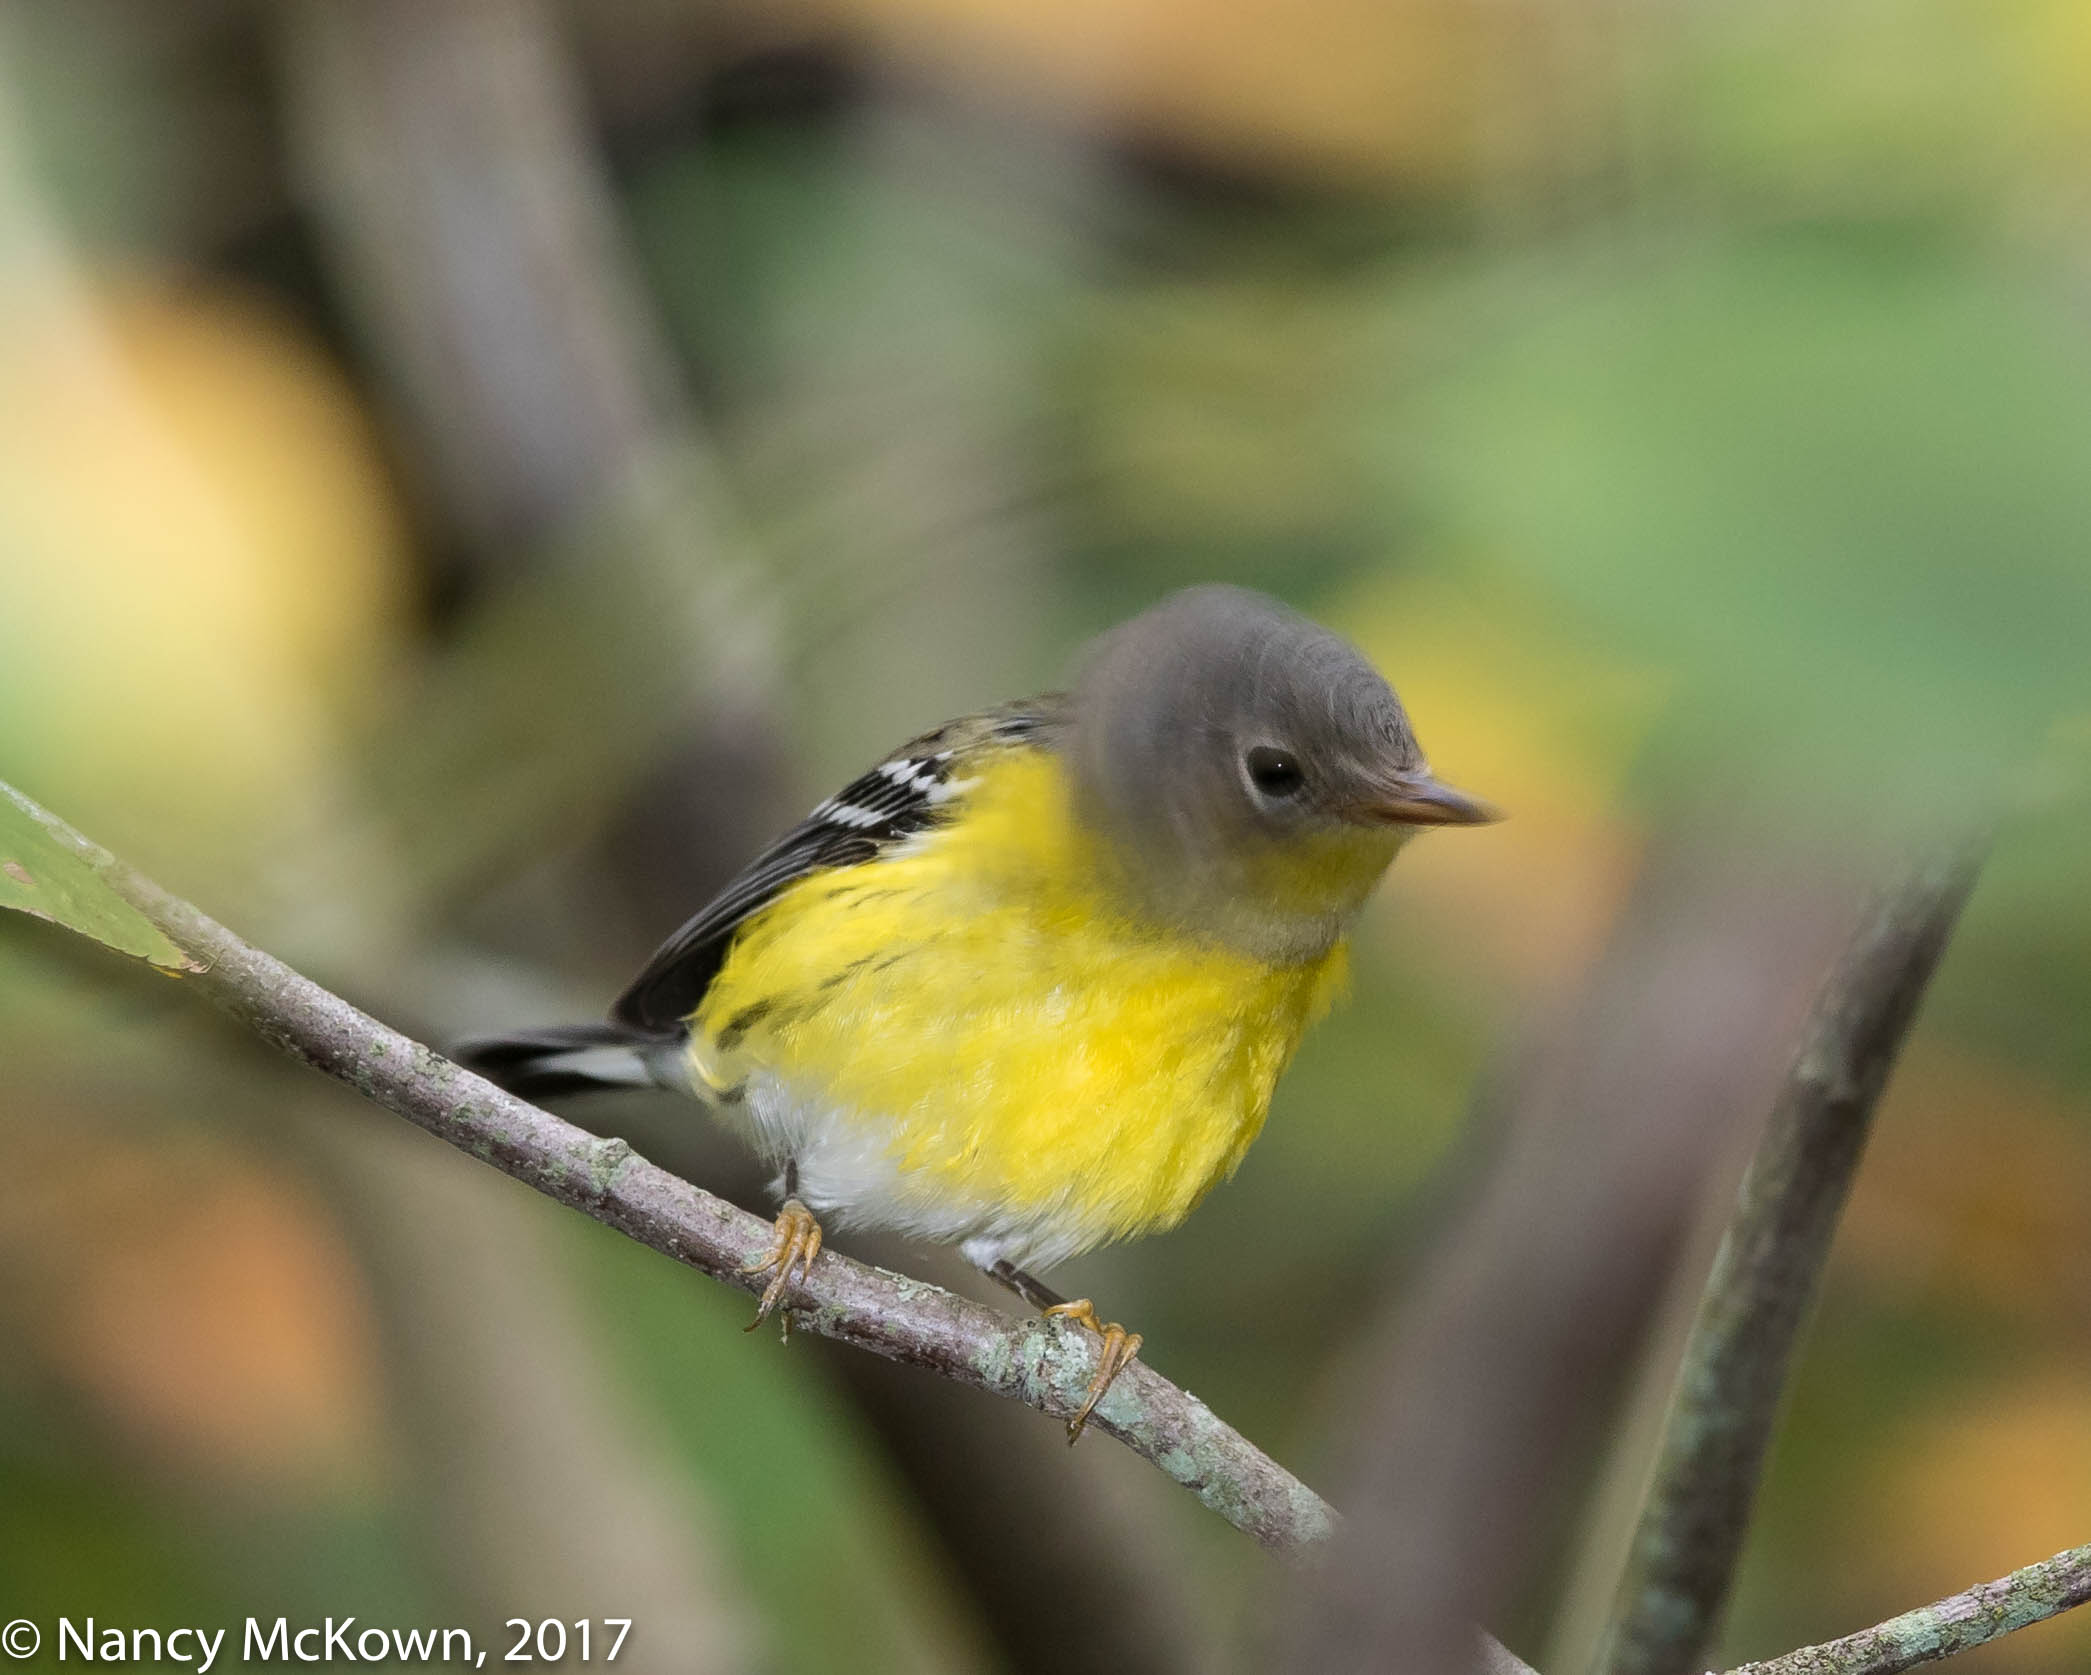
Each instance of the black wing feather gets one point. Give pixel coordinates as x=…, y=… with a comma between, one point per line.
x=903, y=795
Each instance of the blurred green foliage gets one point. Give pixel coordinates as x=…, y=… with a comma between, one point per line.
x=1835, y=483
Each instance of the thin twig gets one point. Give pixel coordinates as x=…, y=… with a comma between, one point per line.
x=1957, y=1624
x=1764, y=1276
x=1042, y=1365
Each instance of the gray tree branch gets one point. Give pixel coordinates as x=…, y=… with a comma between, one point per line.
x=1764, y=1277
x=1042, y=1365
x=1956, y=1624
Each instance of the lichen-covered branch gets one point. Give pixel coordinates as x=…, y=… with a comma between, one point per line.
x=1043, y=1365
x=1764, y=1277
x=1958, y=1624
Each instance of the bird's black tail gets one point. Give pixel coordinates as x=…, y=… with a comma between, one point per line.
x=571, y=1058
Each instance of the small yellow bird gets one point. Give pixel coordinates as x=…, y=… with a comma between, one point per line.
x=1026, y=986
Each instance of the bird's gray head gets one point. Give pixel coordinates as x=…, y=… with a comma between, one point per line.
x=1253, y=774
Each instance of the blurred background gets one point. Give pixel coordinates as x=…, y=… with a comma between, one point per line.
x=471, y=470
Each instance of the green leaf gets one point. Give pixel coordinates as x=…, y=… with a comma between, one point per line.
x=42, y=874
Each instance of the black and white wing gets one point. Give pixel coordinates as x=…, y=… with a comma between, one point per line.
x=911, y=791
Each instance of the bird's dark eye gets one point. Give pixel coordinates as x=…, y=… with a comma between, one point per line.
x=1274, y=772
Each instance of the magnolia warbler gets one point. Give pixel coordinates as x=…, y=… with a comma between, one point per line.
x=1026, y=985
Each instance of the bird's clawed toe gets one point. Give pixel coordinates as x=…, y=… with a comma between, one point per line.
x=795, y=1245
x=1119, y=1348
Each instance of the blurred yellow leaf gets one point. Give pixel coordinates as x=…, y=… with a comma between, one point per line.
x=200, y=561
x=1972, y=1491
x=1356, y=87
x=1912, y=106
x=1511, y=708
x=1977, y=1192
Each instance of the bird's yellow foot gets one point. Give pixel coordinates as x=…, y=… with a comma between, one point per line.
x=796, y=1244
x=1120, y=1346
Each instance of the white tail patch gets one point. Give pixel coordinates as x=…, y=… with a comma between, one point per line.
x=617, y=1066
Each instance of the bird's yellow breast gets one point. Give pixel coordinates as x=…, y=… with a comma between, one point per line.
x=1007, y=1036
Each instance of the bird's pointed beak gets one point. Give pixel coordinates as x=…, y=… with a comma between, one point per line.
x=1420, y=800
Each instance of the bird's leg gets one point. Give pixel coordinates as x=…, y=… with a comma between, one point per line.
x=1033, y=1291
x=1119, y=1346
x=796, y=1244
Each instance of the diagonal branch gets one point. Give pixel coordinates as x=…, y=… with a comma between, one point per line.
x=1044, y=1367
x=1958, y=1624
x=1764, y=1276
